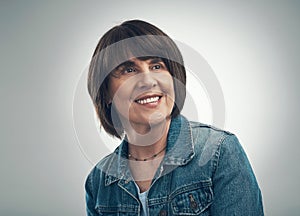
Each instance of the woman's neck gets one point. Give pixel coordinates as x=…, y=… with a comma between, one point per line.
x=146, y=145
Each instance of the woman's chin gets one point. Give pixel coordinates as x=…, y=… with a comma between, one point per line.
x=157, y=118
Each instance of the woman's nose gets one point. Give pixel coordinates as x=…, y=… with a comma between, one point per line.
x=146, y=80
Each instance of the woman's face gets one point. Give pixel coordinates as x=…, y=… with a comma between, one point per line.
x=142, y=91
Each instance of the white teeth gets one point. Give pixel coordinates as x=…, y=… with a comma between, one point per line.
x=148, y=100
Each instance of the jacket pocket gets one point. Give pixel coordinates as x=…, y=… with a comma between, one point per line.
x=192, y=199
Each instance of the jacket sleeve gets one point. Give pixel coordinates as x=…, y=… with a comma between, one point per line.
x=236, y=191
x=90, y=201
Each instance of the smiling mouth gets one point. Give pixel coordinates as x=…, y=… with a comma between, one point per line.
x=148, y=99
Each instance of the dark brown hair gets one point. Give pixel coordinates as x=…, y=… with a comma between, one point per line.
x=131, y=38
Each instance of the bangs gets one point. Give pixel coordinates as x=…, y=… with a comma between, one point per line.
x=137, y=47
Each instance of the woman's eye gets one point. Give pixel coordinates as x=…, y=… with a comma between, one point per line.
x=129, y=70
x=156, y=67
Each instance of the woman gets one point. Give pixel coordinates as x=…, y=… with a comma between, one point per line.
x=165, y=164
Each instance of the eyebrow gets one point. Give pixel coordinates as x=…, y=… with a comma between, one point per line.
x=129, y=63
x=126, y=64
x=154, y=60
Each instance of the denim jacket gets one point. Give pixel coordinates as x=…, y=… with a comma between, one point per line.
x=204, y=172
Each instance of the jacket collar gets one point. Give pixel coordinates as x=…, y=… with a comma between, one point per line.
x=180, y=151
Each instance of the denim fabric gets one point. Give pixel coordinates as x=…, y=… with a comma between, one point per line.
x=204, y=172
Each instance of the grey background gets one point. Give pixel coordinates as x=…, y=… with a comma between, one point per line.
x=252, y=46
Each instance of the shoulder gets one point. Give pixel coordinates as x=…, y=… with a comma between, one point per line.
x=206, y=127
x=208, y=134
x=211, y=142
x=99, y=170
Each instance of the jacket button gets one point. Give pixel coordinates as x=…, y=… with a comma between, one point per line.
x=194, y=205
x=163, y=213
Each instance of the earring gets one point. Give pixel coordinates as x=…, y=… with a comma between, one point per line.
x=108, y=105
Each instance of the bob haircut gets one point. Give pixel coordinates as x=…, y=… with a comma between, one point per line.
x=133, y=38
